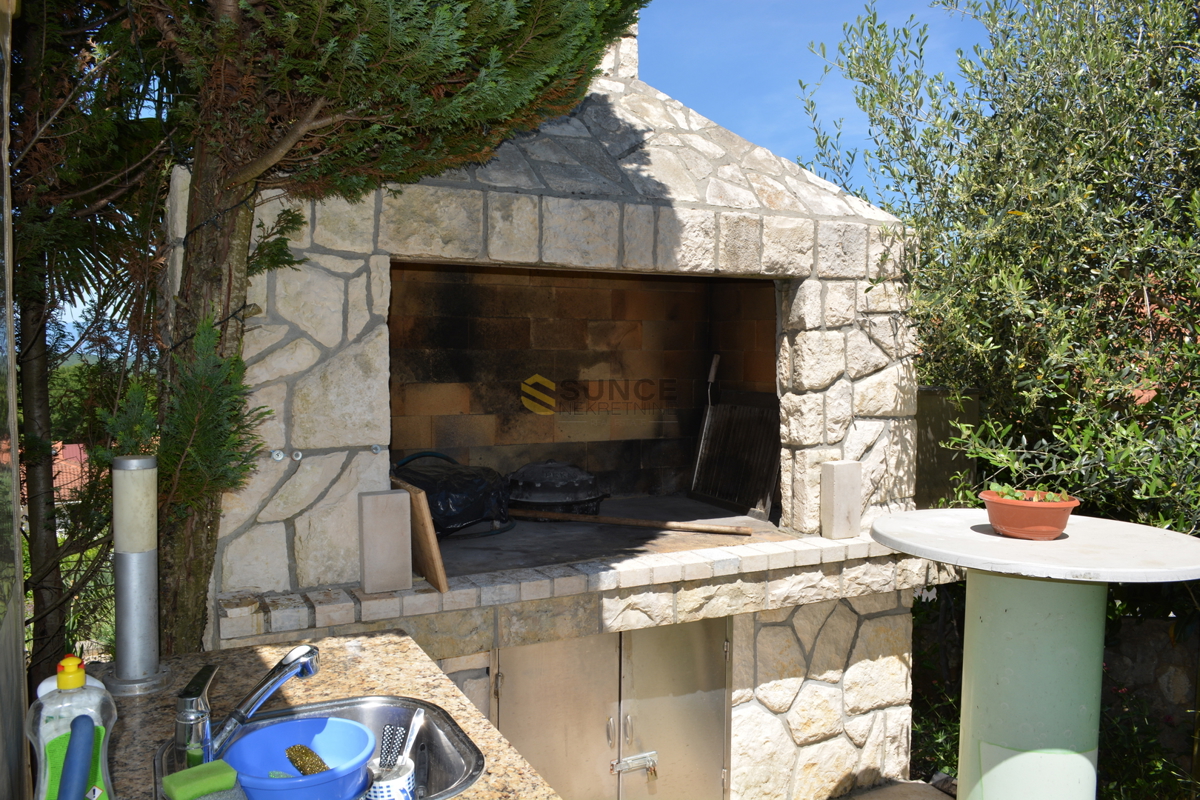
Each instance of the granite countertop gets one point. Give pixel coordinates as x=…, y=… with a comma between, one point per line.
x=388, y=663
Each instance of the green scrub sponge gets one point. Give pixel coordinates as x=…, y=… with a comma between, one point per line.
x=215, y=776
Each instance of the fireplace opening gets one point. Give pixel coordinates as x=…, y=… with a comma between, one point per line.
x=503, y=367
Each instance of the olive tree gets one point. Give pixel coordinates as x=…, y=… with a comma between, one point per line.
x=1053, y=188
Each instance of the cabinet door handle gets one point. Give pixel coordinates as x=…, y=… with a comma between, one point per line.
x=608, y=731
x=628, y=729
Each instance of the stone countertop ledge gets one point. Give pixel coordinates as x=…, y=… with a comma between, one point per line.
x=273, y=617
x=388, y=663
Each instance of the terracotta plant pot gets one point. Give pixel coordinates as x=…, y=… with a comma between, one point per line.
x=1028, y=518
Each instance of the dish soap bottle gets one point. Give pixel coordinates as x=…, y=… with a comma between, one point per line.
x=49, y=726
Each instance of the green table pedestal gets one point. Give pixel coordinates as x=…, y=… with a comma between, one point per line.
x=1033, y=654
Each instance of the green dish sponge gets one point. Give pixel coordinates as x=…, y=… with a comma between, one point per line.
x=190, y=784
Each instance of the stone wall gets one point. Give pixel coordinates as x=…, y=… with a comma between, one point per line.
x=632, y=181
x=846, y=378
x=821, y=697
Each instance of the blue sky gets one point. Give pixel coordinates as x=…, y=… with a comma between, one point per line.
x=737, y=62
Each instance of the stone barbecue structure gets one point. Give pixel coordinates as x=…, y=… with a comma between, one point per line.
x=630, y=191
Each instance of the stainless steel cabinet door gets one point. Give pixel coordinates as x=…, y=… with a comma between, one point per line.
x=673, y=690
x=558, y=704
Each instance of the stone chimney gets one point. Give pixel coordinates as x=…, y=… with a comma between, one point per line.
x=621, y=60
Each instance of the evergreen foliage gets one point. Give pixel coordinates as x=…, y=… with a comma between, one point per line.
x=337, y=97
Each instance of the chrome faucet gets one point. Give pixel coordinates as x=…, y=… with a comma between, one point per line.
x=300, y=662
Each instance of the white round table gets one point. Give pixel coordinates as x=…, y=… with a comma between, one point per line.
x=1033, y=647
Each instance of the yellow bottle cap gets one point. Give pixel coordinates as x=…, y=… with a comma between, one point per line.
x=70, y=673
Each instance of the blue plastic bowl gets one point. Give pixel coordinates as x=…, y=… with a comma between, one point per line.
x=346, y=746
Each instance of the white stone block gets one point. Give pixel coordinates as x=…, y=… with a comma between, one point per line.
x=762, y=755
x=664, y=568
x=806, y=486
x=261, y=337
x=841, y=499
x=637, y=228
x=783, y=363
x=868, y=576
x=687, y=240
x=818, y=200
x=832, y=551
x=740, y=244
x=513, y=227
x=601, y=576
x=293, y=357
x=662, y=173
x=803, y=553
x=434, y=221
x=257, y=560
x=779, y=555
x=889, y=393
x=384, y=541
x=804, y=585
x=879, y=671
x=818, y=358
x=695, y=566
x=381, y=285
x=630, y=609
x=774, y=195
x=534, y=584
x=325, y=546
x=723, y=562
x=633, y=571
x=825, y=769
x=342, y=225
x=778, y=696
x=857, y=546
x=566, y=580
x=885, y=297
x=750, y=558
x=580, y=233
x=331, y=607
x=336, y=264
x=719, y=598
x=816, y=715
x=497, y=588
x=863, y=356
x=839, y=410
x=788, y=246
x=802, y=419
x=804, y=310
x=462, y=593
x=344, y=402
x=841, y=250
x=358, y=306
x=385, y=605
x=828, y=657
x=898, y=741
x=287, y=612
x=237, y=627
x=310, y=478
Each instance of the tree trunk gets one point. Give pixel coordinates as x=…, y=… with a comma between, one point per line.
x=45, y=581
x=212, y=286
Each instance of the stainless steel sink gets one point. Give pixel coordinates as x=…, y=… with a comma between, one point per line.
x=447, y=762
